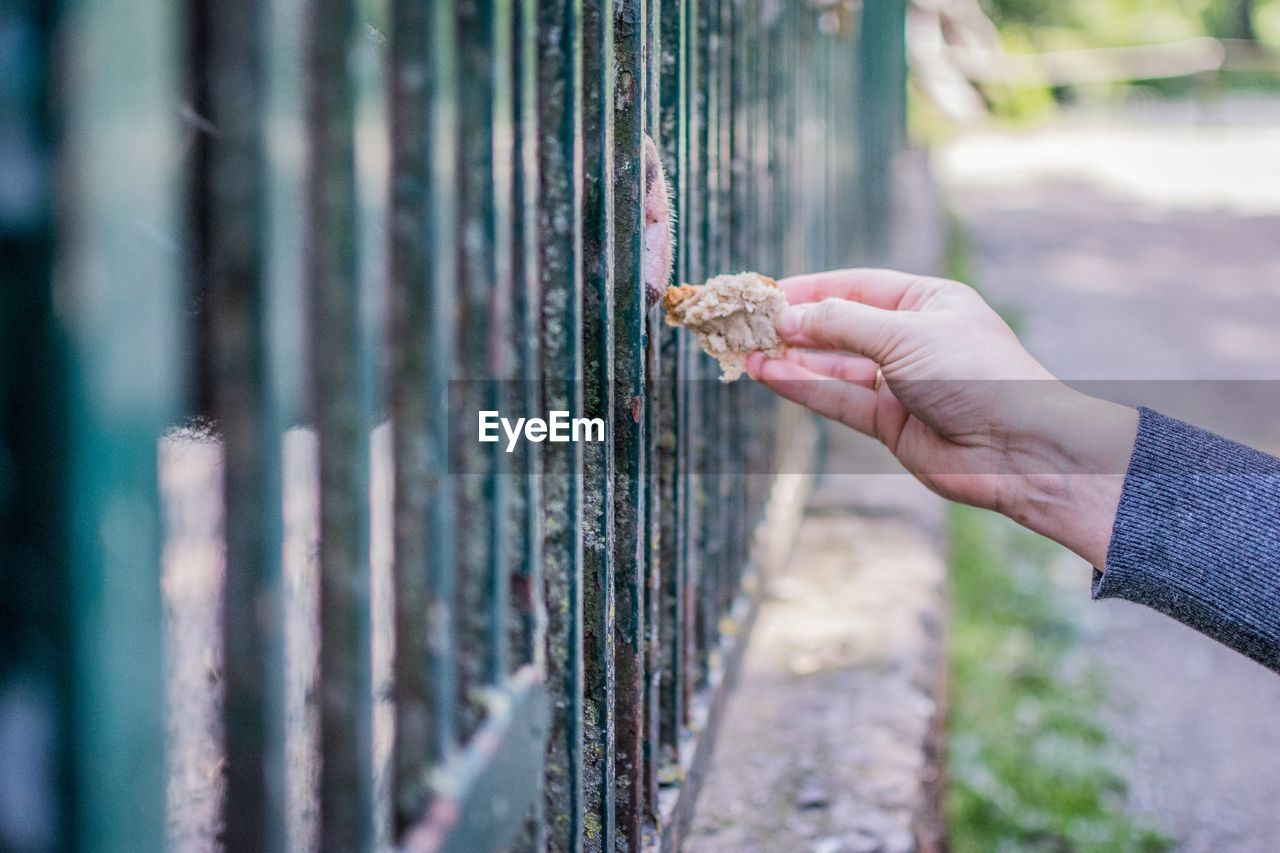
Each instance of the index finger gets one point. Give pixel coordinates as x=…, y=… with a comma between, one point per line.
x=878, y=288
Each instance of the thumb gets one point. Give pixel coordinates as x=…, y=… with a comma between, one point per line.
x=838, y=324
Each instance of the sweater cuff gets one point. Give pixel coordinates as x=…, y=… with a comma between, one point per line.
x=1197, y=536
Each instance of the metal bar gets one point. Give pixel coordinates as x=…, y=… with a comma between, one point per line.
x=719, y=259
x=338, y=410
x=528, y=634
x=36, y=636
x=113, y=383
x=656, y=402
x=598, y=463
x=409, y=327
x=628, y=434
x=881, y=66
x=476, y=362
x=705, y=418
x=528, y=625
x=233, y=270
x=693, y=360
x=502, y=339
x=560, y=204
x=442, y=93
x=669, y=440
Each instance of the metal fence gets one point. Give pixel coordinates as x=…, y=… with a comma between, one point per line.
x=262, y=589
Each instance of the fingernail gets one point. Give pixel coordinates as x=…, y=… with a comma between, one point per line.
x=788, y=322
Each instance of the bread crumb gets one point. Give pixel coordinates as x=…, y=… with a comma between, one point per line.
x=732, y=315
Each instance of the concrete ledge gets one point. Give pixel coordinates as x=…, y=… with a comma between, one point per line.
x=832, y=740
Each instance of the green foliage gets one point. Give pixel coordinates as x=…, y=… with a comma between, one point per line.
x=1029, y=12
x=1030, y=769
x=1111, y=23
x=1022, y=104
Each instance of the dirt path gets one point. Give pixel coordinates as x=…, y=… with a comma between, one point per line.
x=1147, y=247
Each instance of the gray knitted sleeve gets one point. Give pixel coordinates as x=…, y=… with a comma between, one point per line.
x=1197, y=536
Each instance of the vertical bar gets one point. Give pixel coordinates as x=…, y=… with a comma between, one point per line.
x=628, y=432
x=501, y=341
x=528, y=636
x=442, y=309
x=655, y=403
x=409, y=364
x=234, y=274
x=477, y=359
x=706, y=416
x=36, y=636
x=671, y=442
x=719, y=258
x=116, y=274
x=284, y=130
x=528, y=628
x=690, y=212
x=560, y=205
x=598, y=468
x=338, y=410
x=368, y=62
x=881, y=67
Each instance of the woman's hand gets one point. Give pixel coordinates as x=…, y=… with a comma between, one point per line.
x=961, y=404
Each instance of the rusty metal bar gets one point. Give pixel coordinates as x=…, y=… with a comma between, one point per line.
x=560, y=176
x=232, y=273
x=628, y=433
x=443, y=144
x=339, y=413
x=411, y=74
x=475, y=360
x=599, y=75
x=670, y=442
x=529, y=617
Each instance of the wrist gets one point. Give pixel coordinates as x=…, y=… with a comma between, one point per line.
x=1067, y=458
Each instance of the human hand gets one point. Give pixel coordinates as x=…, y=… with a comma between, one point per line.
x=962, y=405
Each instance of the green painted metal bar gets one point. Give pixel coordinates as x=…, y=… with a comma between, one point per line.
x=655, y=402
x=881, y=69
x=686, y=353
x=475, y=359
x=339, y=412
x=502, y=340
x=725, y=26
x=528, y=634
x=116, y=267
x=560, y=205
x=443, y=153
x=528, y=627
x=408, y=382
x=599, y=75
x=233, y=275
x=36, y=651
x=628, y=434
x=706, y=417
x=670, y=442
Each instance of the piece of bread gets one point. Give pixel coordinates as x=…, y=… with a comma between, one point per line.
x=732, y=315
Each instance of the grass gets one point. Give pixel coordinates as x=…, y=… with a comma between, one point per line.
x=1030, y=769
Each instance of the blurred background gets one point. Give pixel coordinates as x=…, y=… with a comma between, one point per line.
x=1111, y=173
